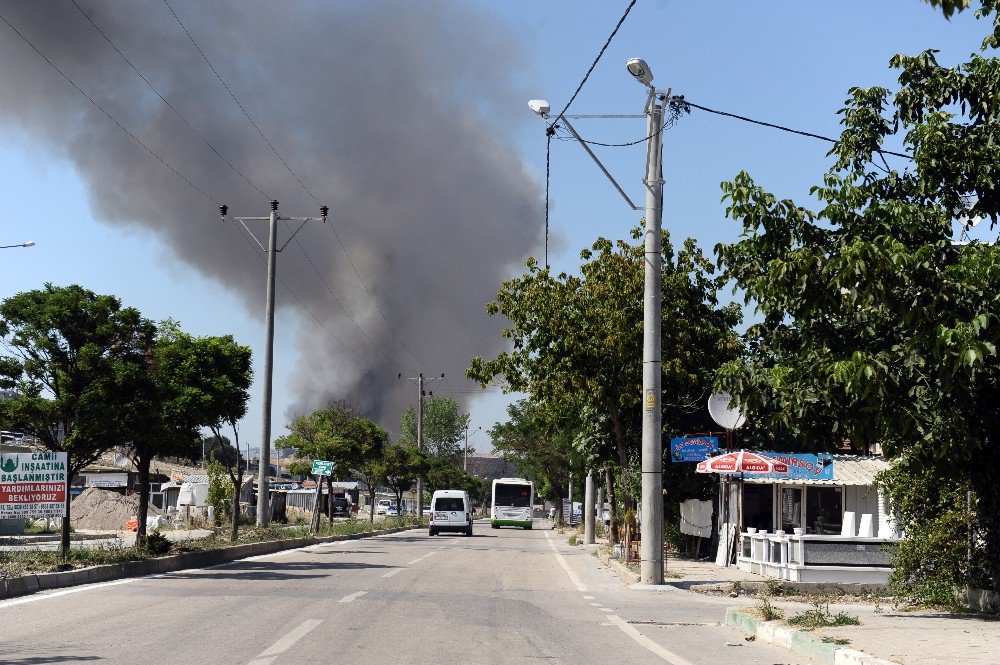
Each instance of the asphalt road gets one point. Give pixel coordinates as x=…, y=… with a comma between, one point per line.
x=502, y=596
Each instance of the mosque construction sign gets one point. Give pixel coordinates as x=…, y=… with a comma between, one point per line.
x=32, y=485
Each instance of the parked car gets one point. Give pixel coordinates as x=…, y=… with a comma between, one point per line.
x=382, y=506
x=341, y=507
x=451, y=510
x=391, y=512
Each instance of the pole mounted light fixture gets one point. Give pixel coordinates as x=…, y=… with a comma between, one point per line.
x=638, y=68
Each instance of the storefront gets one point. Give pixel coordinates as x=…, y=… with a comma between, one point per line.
x=831, y=527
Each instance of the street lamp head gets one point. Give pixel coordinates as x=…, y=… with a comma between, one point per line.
x=30, y=243
x=539, y=106
x=638, y=68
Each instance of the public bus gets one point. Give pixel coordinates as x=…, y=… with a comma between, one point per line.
x=512, y=500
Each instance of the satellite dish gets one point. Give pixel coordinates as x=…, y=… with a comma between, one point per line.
x=121, y=461
x=726, y=416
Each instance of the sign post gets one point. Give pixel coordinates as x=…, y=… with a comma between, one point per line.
x=33, y=485
x=320, y=469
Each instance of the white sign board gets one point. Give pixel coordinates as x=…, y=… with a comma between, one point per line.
x=33, y=485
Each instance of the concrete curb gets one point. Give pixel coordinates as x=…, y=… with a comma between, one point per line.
x=626, y=575
x=19, y=586
x=802, y=642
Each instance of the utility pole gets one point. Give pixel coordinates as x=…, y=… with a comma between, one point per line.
x=420, y=431
x=272, y=251
x=651, y=504
x=588, y=509
x=465, y=463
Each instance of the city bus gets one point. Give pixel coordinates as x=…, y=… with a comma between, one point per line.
x=512, y=499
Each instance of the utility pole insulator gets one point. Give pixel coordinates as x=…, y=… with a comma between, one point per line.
x=223, y=210
x=274, y=205
x=324, y=211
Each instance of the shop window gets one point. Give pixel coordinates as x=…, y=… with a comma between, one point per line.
x=758, y=507
x=824, y=510
x=791, y=508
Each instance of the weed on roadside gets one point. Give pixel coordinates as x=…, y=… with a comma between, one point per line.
x=767, y=611
x=573, y=540
x=839, y=641
x=820, y=617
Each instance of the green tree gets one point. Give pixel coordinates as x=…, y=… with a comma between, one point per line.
x=401, y=466
x=444, y=425
x=221, y=449
x=337, y=433
x=443, y=474
x=74, y=360
x=877, y=325
x=577, y=339
x=220, y=490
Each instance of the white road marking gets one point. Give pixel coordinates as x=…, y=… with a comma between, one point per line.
x=429, y=554
x=588, y=597
x=647, y=643
x=286, y=642
x=393, y=572
x=352, y=597
x=76, y=589
x=604, y=609
x=562, y=562
x=417, y=560
x=596, y=604
x=442, y=547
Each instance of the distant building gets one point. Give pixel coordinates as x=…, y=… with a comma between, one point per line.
x=490, y=467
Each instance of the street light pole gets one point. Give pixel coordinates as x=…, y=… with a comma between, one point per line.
x=465, y=463
x=651, y=503
x=272, y=251
x=30, y=243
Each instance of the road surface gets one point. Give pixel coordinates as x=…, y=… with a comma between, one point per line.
x=502, y=596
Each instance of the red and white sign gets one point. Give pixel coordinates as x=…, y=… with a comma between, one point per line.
x=32, y=485
x=742, y=461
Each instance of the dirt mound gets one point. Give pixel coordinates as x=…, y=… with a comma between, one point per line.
x=104, y=510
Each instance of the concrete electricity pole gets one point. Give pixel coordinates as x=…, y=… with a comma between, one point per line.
x=651, y=504
x=420, y=431
x=263, y=496
x=588, y=509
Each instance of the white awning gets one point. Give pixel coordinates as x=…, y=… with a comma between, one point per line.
x=847, y=470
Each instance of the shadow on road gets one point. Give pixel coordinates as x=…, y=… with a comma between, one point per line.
x=33, y=660
x=272, y=571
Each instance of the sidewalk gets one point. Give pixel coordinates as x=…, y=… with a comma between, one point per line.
x=917, y=637
x=90, y=540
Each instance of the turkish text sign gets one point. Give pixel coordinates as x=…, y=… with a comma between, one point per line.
x=322, y=468
x=33, y=485
x=801, y=466
x=693, y=448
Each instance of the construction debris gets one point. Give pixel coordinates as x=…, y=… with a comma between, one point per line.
x=101, y=510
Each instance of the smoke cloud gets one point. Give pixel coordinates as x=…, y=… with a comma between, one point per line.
x=387, y=111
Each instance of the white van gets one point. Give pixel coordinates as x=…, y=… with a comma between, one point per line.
x=451, y=510
x=383, y=506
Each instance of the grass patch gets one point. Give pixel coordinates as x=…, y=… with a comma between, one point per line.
x=820, y=617
x=15, y=564
x=573, y=539
x=839, y=641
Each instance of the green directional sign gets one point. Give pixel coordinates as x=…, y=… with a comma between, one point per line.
x=322, y=468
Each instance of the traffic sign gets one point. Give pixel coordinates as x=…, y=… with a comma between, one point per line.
x=322, y=468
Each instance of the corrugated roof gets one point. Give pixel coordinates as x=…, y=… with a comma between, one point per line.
x=847, y=470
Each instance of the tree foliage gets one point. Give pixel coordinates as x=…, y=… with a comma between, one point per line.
x=877, y=325
x=401, y=466
x=444, y=427
x=75, y=360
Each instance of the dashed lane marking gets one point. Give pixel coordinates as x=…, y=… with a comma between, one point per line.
x=393, y=572
x=350, y=598
x=267, y=657
x=588, y=597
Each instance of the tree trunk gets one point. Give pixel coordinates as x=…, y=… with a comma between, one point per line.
x=144, y=462
x=609, y=489
x=329, y=498
x=371, y=506
x=64, y=536
x=234, y=529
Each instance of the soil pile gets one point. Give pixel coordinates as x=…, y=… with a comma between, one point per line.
x=103, y=510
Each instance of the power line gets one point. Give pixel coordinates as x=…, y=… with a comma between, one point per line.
x=175, y=172
x=669, y=120
x=596, y=60
x=684, y=103
x=247, y=115
x=169, y=105
x=299, y=180
x=110, y=117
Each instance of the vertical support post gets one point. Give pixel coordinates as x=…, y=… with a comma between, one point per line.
x=465, y=459
x=651, y=527
x=588, y=509
x=420, y=444
x=570, y=519
x=314, y=520
x=263, y=490
x=600, y=502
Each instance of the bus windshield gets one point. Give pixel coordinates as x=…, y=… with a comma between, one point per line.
x=517, y=496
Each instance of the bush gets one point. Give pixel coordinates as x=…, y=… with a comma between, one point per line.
x=820, y=617
x=157, y=544
x=768, y=612
x=220, y=491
